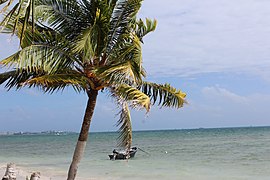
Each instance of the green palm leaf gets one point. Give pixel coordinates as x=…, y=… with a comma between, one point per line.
x=3, y=1
x=6, y=75
x=53, y=82
x=164, y=95
x=144, y=28
x=123, y=12
x=36, y=58
x=25, y=9
x=85, y=45
x=125, y=128
x=41, y=35
x=125, y=64
x=15, y=78
x=47, y=82
x=60, y=15
x=124, y=72
x=7, y=5
x=137, y=98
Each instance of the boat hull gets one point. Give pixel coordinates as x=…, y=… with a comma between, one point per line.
x=122, y=156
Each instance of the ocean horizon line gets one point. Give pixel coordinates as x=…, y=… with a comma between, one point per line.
x=62, y=132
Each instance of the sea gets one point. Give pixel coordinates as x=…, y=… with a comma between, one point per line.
x=191, y=154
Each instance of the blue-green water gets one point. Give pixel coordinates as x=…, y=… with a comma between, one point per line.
x=227, y=153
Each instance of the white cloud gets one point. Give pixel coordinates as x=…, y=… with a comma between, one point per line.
x=196, y=37
x=221, y=94
x=220, y=107
x=218, y=96
x=253, y=106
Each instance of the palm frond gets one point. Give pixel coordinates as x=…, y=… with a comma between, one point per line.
x=7, y=4
x=46, y=82
x=25, y=9
x=15, y=78
x=91, y=41
x=57, y=14
x=137, y=98
x=129, y=47
x=125, y=64
x=164, y=95
x=26, y=19
x=144, y=28
x=41, y=35
x=89, y=7
x=3, y=1
x=125, y=128
x=6, y=75
x=39, y=58
x=124, y=72
x=54, y=82
x=123, y=12
x=68, y=17
x=88, y=10
x=10, y=15
x=136, y=56
x=112, y=3
x=85, y=45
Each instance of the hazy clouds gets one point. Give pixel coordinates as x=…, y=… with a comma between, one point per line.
x=205, y=36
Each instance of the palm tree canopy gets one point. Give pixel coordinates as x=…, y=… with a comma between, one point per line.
x=86, y=44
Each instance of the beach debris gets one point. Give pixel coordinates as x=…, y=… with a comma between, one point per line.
x=10, y=172
x=35, y=176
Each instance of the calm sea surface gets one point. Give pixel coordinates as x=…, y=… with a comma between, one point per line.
x=227, y=153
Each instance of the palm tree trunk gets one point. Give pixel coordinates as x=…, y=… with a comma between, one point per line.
x=80, y=147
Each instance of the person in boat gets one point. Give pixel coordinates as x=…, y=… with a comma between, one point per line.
x=115, y=151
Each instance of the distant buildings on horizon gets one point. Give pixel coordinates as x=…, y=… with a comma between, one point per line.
x=37, y=133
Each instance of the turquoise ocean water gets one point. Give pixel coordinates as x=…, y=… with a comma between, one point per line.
x=227, y=153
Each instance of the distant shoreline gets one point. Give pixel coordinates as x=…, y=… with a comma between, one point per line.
x=37, y=133
x=52, y=132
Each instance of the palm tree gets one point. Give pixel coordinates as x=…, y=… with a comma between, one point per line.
x=90, y=45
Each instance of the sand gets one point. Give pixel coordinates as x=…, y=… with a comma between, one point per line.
x=21, y=174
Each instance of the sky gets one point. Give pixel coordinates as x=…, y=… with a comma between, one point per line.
x=218, y=52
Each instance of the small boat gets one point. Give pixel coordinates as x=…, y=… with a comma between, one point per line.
x=121, y=155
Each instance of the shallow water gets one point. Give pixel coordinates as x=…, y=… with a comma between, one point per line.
x=227, y=153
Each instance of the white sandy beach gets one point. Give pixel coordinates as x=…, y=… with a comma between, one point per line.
x=22, y=174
